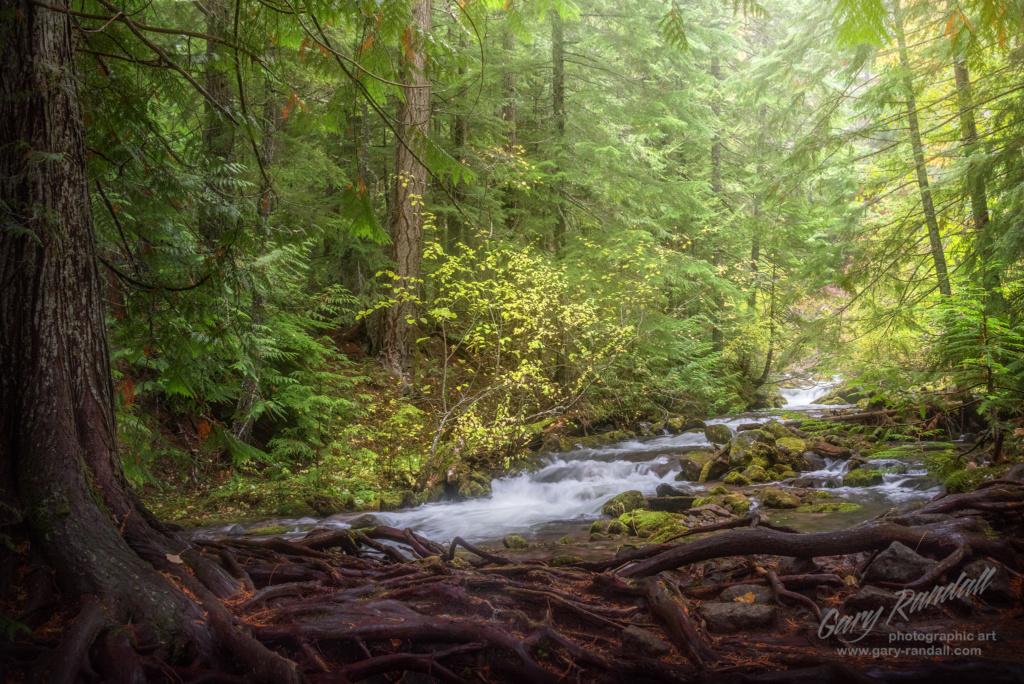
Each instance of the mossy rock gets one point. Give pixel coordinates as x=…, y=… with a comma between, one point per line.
x=689, y=470
x=713, y=470
x=787, y=474
x=624, y=503
x=597, y=536
x=820, y=494
x=756, y=473
x=776, y=430
x=737, y=479
x=794, y=444
x=863, y=477
x=718, y=490
x=737, y=503
x=564, y=559
x=598, y=527
x=679, y=425
x=326, y=504
x=616, y=527
x=652, y=525
x=567, y=539
x=269, y=531
x=830, y=507
x=718, y=433
x=514, y=541
x=966, y=480
x=474, y=486
x=703, y=501
x=773, y=497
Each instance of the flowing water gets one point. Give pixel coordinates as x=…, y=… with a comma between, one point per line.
x=566, y=491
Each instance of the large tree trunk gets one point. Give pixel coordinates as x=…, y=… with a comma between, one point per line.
x=508, y=115
x=558, y=110
x=393, y=335
x=717, y=335
x=934, y=238
x=59, y=461
x=983, y=235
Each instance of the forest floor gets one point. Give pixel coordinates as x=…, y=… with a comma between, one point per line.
x=740, y=599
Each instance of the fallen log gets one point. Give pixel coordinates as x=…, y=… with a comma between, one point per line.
x=942, y=537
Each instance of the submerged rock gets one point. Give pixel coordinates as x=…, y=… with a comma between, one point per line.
x=898, y=564
x=863, y=477
x=723, y=618
x=624, y=503
x=514, y=541
x=773, y=497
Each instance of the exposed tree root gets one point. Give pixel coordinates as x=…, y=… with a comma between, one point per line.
x=347, y=606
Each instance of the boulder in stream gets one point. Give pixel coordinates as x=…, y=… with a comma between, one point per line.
x=863, y=477
x=689, y=470
x=514, y=541
x=756, y=473
x=773, y=497
x=737, y=479
x=679, y=424
x=624, y=503
x=669, y=490
x=657, y=526
x=718, y=433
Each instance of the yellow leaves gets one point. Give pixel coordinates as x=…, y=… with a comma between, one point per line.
x=746, y=598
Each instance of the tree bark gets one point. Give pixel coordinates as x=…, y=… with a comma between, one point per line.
x=58, y=446
x=717, y=335
x=558, y=112
x=59, y=460
x=394, y=335
x=508, y=115
x=984, y=238
x=934, y=238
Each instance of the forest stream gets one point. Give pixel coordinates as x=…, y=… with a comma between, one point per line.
x=564, y=493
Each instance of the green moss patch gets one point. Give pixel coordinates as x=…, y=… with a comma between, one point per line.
x=830, y=507
x=655, y=526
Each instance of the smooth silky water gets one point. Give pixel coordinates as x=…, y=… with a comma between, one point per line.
x=564, y=494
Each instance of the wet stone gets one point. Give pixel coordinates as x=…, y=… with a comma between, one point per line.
x=762, y=594
x=788, y=565
x=723, y=618
x=999, y=589
x=899, y=564
x=637, y=641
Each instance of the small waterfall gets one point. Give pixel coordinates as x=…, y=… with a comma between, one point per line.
x=803, y=397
